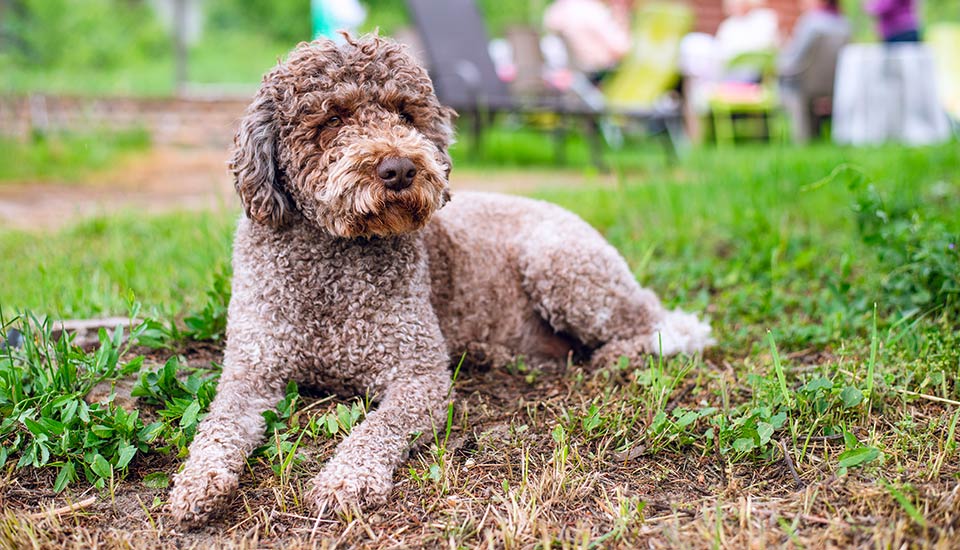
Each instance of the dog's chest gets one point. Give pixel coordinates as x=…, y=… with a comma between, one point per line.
x=356, y=305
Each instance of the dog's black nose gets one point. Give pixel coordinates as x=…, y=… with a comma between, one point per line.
x=397, y=173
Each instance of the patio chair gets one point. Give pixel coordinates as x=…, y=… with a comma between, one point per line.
x=455, y=43
x=746, y=109
x=650, y=67
x=807, y=90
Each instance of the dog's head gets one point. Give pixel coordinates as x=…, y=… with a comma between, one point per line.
x=350, y=137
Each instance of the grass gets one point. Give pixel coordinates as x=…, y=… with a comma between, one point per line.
x=66, y=157
x=826, y=414
x=92, y=269
x=235, y=60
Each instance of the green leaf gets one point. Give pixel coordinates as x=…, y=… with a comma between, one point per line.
x=53, y=427
x=101, y=431
x=687, y=418
x=190, y=415
x=778, y=420
x=858, y=457
x=559, y=434
x=764, y=430
x=35, y=427
x=343, y=416
x=125, y=454
x=850, y=441
x=68, y=472
x=851, y=397
x=817, y=384
x=332, y=426
x=150, y=432
x=157, y=480
x=744, y=444
x=69, y=410
x=100, y=466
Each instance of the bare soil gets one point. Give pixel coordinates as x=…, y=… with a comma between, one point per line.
x=500, y=484
x=169, y=178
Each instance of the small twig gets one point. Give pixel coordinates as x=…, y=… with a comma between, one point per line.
x=316, y=524
x=929, y=397
x=723, y=463
x=825, y=437
x=64, y=509
x=789, y=461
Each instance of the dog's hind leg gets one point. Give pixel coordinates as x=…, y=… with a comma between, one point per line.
x=582, y=286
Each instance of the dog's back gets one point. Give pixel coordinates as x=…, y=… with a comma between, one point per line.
x=476, y=244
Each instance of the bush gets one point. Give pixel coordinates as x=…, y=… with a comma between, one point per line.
x=102, y=34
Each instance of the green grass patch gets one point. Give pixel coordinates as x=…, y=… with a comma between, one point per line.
x=776, y=239
x=167, y=262
x=826, y=273
x=66, y=157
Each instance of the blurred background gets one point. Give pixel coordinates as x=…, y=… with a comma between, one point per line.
x=116, y=113
x=789, y=169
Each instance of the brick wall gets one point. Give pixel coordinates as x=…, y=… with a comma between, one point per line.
x=709, y=14
x=177, y=121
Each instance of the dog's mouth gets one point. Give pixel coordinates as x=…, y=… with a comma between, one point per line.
x=382, y=189
x=369, y=208
x=398, y=211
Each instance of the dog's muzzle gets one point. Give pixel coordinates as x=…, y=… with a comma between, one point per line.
x=396, y=173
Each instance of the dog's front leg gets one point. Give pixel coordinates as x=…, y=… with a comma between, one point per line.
x=361, y=470
x=231, y=431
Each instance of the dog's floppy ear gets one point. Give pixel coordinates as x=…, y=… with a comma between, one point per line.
x=254, y=165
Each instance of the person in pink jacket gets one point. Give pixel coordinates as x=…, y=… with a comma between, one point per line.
x=897, y=20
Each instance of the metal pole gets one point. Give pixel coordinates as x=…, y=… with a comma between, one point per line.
x=180, y=44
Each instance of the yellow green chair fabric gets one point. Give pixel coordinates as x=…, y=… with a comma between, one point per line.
x=944, y=40
x=650, y=67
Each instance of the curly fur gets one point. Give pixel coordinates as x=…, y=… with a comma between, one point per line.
x=343, y=284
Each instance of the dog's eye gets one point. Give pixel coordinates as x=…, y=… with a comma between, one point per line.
x=333, y=122
x=406, y=118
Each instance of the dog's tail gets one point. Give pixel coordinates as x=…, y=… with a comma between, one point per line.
x=680, y=332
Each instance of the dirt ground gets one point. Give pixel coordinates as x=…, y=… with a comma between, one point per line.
x=502, y=479
x=502, y=484
x=169, y=178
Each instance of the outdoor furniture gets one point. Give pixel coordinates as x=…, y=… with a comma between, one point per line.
x=747, y=109
x=887, y=92
x=464, y=77
x=807, y=90
x=650, y=67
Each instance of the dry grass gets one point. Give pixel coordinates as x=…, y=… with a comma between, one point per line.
x=846, y=437
x=502, y=480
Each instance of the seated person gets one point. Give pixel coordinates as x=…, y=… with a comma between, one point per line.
x=596, y=39
x=808, y=61
x=750, y=27
x=897, y=20
x=704, y=59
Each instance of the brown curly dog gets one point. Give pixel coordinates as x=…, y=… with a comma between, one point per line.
x=348, y=275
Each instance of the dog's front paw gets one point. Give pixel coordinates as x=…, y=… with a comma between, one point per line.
x=198, y=495
x=341, y=487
